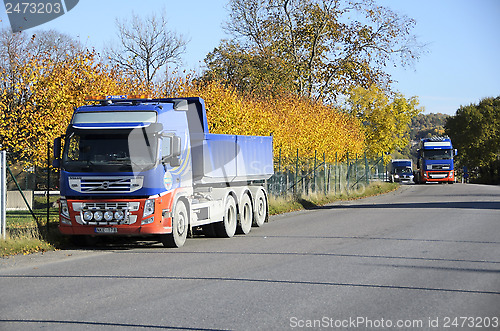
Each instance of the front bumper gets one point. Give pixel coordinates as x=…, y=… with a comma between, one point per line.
x=134, y=222
x=439, y=176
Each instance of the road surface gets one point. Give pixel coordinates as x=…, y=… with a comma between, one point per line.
x=423, y=257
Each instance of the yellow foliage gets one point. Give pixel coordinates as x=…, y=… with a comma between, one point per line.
x=386, y=118
x=37, y=104
x=295, y=123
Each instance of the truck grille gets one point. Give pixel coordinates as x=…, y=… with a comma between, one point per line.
x=114, y=184
x=438, y=175
x=438, y=167
x=124, y=210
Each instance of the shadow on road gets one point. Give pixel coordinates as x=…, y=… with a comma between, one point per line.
x=491, y=205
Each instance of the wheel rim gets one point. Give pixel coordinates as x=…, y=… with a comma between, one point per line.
x=231, y=215
x=181, y=223
x=246, y=215
x=261, y=207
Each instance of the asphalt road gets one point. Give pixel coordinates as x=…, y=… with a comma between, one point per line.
x=424, y=257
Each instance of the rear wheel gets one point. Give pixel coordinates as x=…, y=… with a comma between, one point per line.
x=260, y=210
x=227, y=228
x=246, y=215
x=180, y=227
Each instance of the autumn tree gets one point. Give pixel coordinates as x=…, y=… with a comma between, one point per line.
x=146, y=46
x=475, y=132
x=248, y=71
x=40, y=90
x=324, y=47
x=385, y=117
x=295, y=123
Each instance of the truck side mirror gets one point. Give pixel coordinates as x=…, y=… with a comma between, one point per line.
x=56, y=163
x=176, y=146
x=171, y=150
x=456, y=152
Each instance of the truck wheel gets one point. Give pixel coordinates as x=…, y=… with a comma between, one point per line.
x=260, y=211
x=227, y=228
x=246, y=215
x=180, y=227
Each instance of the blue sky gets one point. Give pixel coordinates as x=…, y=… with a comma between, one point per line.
x=461, y=67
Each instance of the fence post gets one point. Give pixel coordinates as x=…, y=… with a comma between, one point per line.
x=314, y=189
x=356, y=171
x=335, y=174
x=296, y=181
x=367, y=171
x=348, y=170
x=327, y=177
x=3, y=194
x=48, y=188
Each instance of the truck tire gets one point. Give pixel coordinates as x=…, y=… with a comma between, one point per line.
x=227, y=228
x=246, y=215
x=260, y=210
x=180, y=227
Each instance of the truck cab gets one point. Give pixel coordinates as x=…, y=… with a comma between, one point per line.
x=435, y=161
x=402, y=171
x=149, y=167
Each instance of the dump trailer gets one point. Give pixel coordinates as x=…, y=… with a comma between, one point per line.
x=402, y=171
x=435, y=161
x=148, y=167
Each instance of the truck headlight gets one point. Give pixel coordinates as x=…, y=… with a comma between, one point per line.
x=88, y=216
x=64, y=208
x=98, y=216
x=108, y=215
x=149, y=208
x=119, y=215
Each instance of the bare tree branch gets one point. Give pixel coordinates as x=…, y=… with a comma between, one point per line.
x=147, y=46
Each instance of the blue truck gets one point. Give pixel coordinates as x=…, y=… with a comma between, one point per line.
x=132, y=166
x=435, y=161
x=402, y=171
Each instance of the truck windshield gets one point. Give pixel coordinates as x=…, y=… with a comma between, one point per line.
x=438, y=154
x=110, y=151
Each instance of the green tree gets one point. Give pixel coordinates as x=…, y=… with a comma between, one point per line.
x=427, y=125
x=324, y=47
x=475, y=132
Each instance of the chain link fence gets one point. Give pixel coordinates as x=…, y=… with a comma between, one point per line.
x=36, y=188
x=314, y=175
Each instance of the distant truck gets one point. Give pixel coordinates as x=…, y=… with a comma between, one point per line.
x=435, y=161
x=402, y=171
x=135, y=166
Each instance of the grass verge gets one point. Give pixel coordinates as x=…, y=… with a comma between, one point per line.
x=279, y=205
x=24, y=241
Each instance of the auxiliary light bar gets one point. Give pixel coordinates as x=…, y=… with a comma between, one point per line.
x=117, y=97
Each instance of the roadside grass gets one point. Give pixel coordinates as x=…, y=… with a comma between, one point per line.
x=279, y=205
x=24, y=241
x=24, y=236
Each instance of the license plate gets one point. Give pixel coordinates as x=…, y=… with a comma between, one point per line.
x=106, y=230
